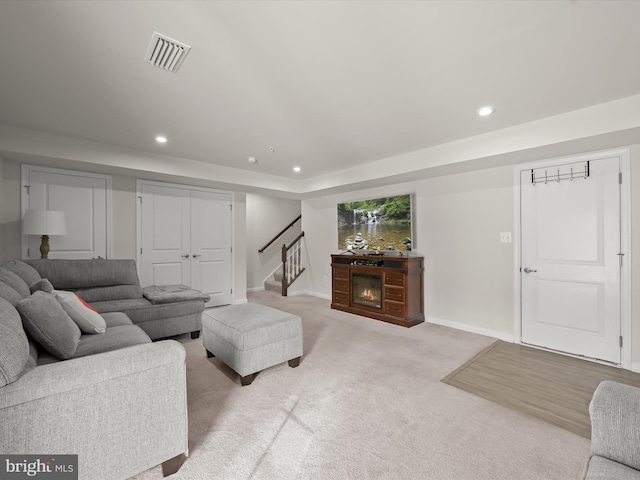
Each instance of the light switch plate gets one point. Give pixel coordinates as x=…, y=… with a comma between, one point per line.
x=505, y=237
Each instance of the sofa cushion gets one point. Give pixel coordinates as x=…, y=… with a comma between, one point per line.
x=77, y=274
x=113, y=339
x=9, y=294
x=43, y=284
x=25, y=271
x=601, y=468
x=15, y=282
x=142, y=310
x=82, y=314
x=49, y=325
x=14, y=346
x=106, y=294
x=115, y=319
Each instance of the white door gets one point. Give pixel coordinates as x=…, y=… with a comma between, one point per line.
x=185, y=239
x=84, y=199
x=570, y=267
x=165, y=236
x=211, y=245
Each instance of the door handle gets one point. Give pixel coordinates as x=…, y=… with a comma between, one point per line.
x=195, y=255
x=528, y=270
x=186, y=255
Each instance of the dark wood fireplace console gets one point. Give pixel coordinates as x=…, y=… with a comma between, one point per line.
x=387, y=287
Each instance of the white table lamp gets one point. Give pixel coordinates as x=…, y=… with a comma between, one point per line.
x=45, y=223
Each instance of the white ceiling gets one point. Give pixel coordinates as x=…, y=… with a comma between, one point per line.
x=329, y=84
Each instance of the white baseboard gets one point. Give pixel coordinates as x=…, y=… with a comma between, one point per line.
x=255, y=289
x=240, y=301
x=507, y=337
x=313, y=294
x=635, y=367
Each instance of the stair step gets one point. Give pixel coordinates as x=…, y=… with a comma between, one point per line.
x=273, y=286
x=278, y=275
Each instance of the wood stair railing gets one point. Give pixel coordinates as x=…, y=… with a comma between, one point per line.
x=291, y=263
x=279, y=234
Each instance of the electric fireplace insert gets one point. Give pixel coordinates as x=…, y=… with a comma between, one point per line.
x=366, y=290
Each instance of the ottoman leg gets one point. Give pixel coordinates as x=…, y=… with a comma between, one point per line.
x=246, y=380
x=209, y=354
x=172, y=465
x=293, y=363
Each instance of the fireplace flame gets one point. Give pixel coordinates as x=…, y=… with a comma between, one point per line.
x=368, y=294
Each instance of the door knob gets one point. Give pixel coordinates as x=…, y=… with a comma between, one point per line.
x=186, y=255
x=528, y=270
x=195, y=255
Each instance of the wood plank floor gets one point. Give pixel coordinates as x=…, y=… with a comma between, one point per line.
x=552, y=387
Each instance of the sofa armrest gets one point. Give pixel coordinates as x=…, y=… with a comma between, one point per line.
x=121, y=412
x=615, y=423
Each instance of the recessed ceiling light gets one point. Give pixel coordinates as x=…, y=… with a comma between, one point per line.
x=161, y=139
x=252, y=160
x=296, y=169
x=484, y=111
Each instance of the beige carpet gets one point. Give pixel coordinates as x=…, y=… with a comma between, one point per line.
x=365, y=403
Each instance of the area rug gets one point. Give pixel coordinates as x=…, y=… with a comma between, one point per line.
x=365, y=403
x=552, y=387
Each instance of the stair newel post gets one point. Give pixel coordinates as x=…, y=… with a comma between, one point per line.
x=285, y=282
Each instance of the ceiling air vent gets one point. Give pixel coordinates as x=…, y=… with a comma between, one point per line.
x=165, y=52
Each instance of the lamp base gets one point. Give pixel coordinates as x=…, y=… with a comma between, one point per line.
x=44, y=246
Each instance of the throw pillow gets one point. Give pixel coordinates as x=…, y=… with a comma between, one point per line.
x=14, y=281
x=25, y=271
x=80, y=312
x=49, y=325
x=14, y=346
x=43, y=284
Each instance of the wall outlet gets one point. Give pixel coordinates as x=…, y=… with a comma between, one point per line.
x=505, y=237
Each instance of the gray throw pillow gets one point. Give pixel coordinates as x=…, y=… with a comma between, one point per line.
x=14, y=346
x=9, y=294
x=49, y=325
x=43, y=284
x=25, y=271
x=14, y=281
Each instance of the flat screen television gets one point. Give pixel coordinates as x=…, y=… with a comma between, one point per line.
x=376, y=224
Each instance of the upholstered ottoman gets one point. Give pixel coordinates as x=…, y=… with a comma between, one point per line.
x=251, y=337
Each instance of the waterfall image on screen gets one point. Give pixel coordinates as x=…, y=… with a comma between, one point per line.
x=377, y=224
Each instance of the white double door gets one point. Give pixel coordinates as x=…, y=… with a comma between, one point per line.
x=185, y=238
x=571, y=262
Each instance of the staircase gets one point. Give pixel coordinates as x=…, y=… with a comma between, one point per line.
x=274, y=283
x=291, y=267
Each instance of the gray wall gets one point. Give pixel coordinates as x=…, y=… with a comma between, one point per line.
x=469, y=274
x=457, y=221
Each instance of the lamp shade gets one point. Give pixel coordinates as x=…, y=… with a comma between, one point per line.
x=44, y=222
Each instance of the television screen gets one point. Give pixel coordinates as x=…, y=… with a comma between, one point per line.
x=378, y=224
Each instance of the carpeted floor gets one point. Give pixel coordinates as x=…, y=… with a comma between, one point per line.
x=552, y=387
x=365, y=403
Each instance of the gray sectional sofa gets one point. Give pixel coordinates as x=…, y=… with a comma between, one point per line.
x=113, y=286
x=615, y=433
x=116, y=399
